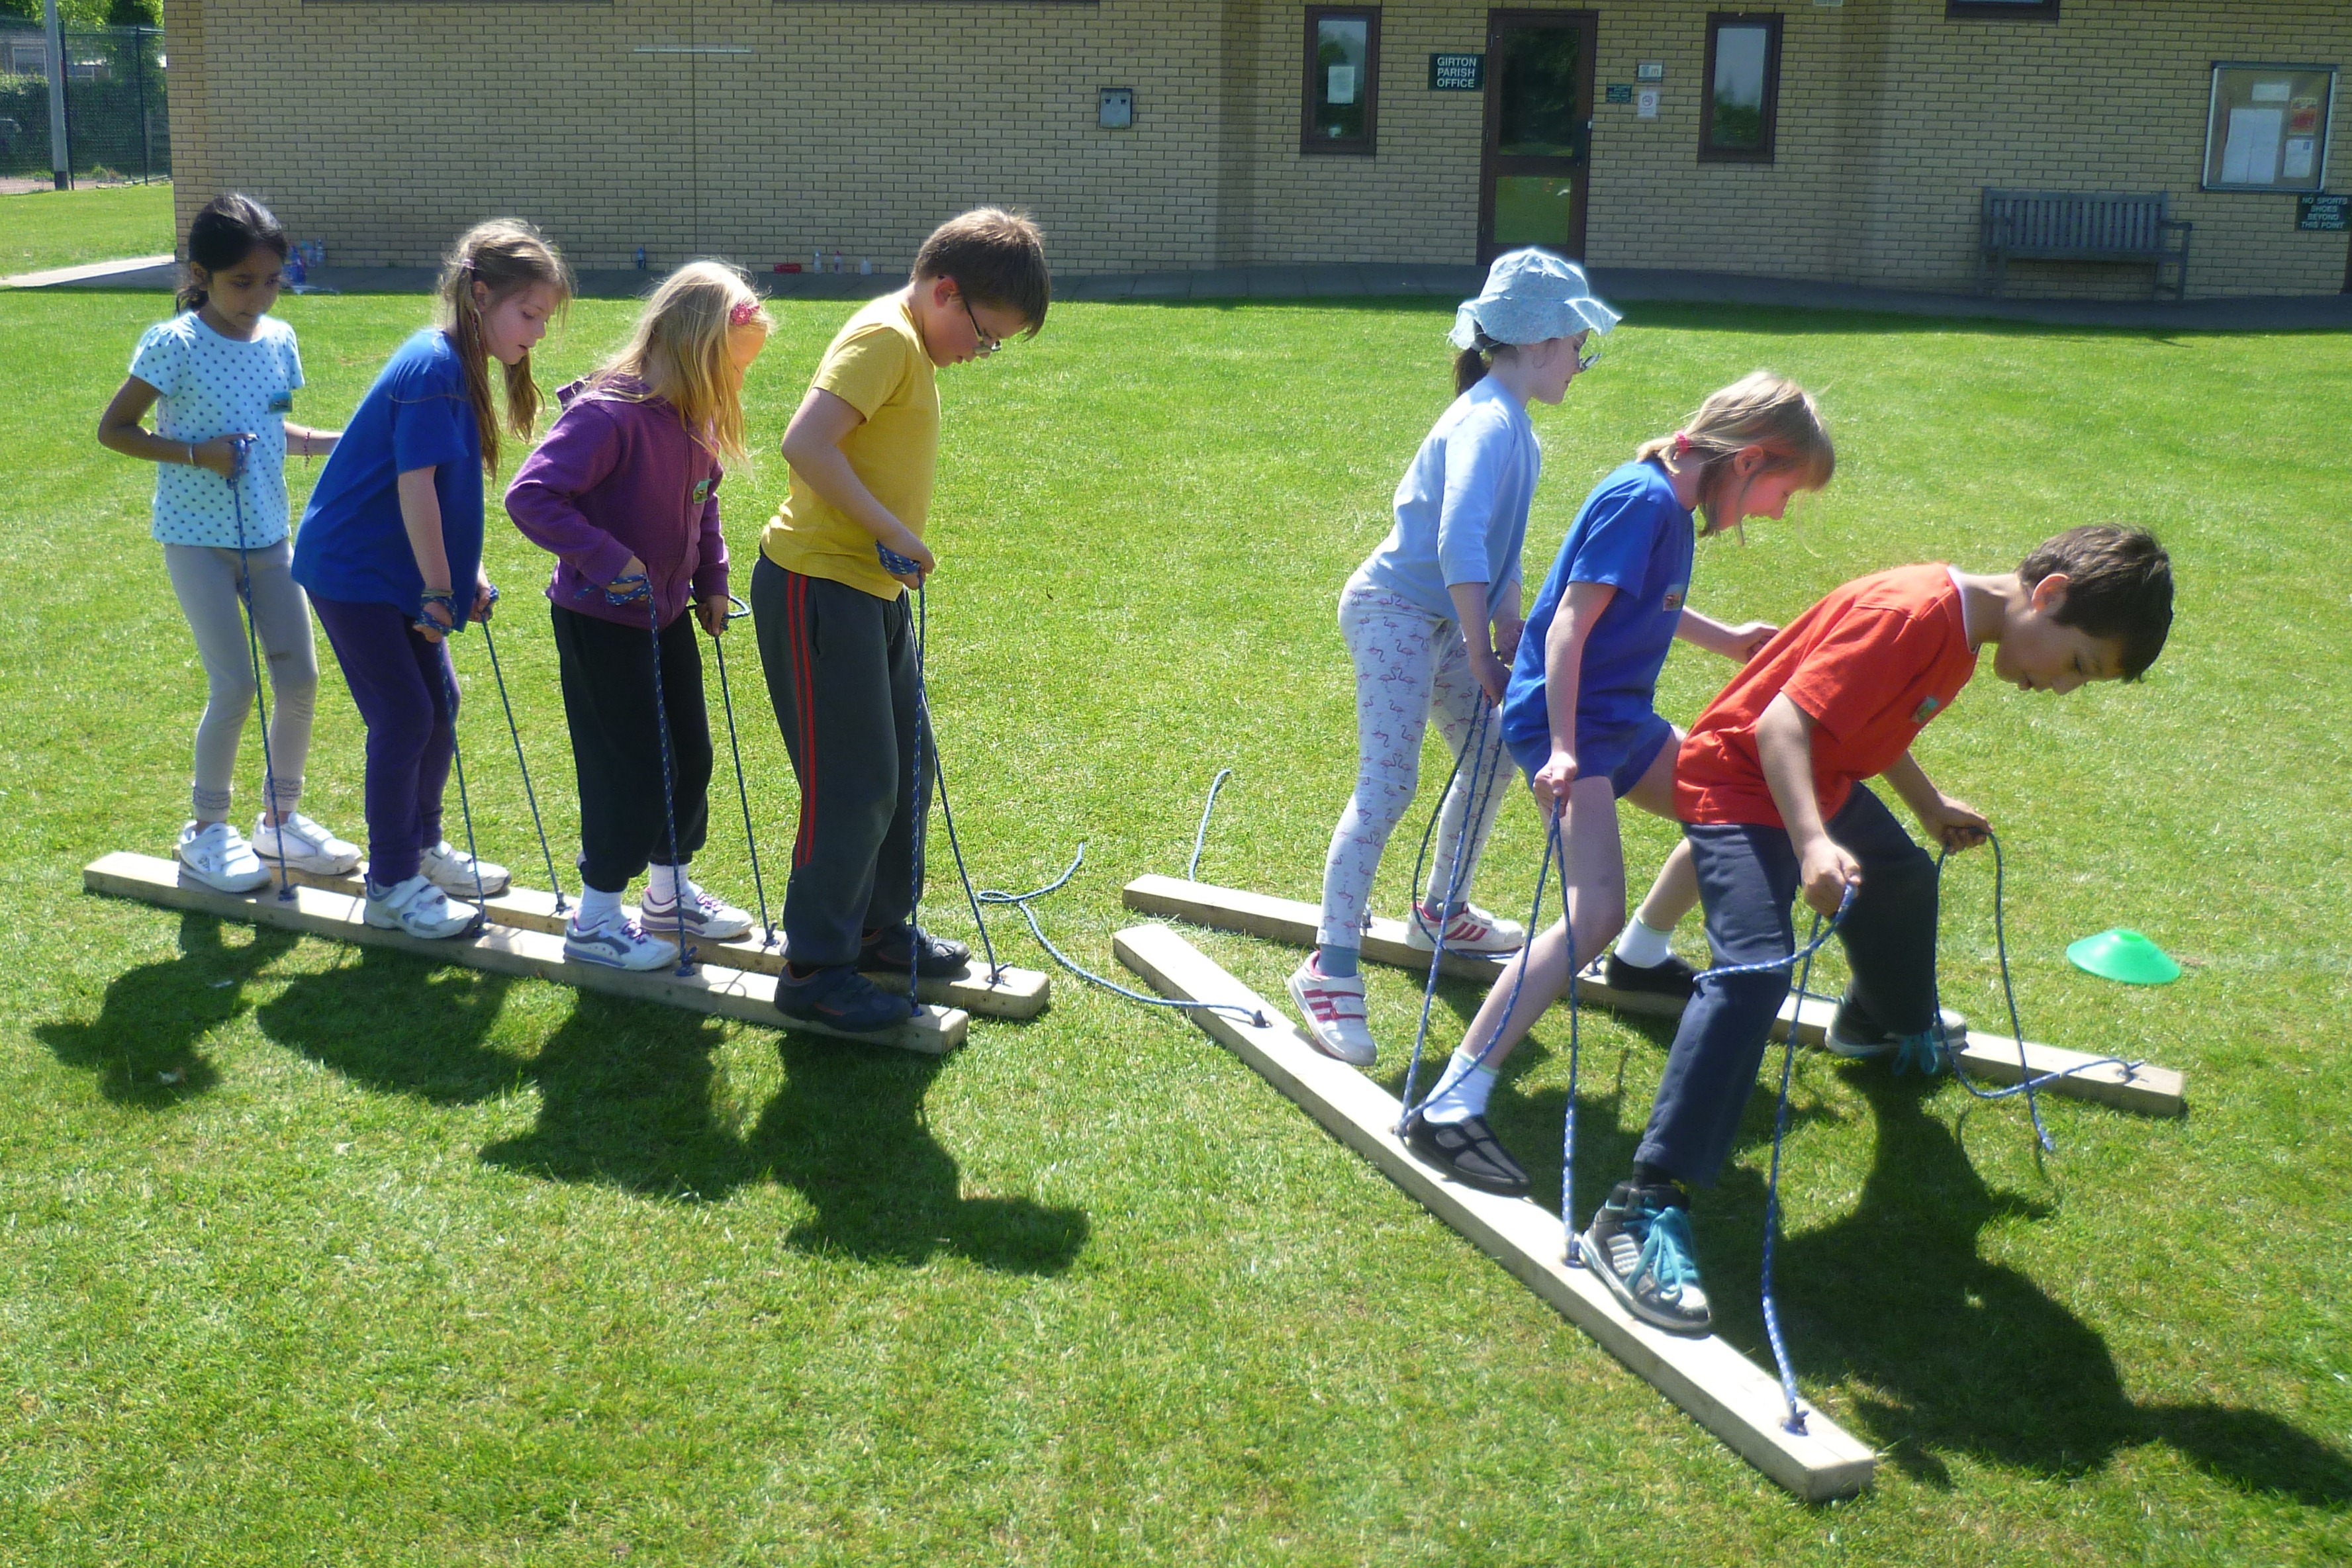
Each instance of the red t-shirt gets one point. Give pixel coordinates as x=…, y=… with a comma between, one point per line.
x=1871, y=663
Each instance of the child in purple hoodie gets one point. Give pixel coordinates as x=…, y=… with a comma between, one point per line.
x=624, y=491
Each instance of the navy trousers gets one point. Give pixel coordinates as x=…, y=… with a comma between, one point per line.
x=1747, y=879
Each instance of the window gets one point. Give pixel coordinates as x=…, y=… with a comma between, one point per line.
x=1343, y=70
x=2266, y=127
x=2007, y=10
x=1743, y=88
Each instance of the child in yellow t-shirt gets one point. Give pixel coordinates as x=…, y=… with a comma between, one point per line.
x=836, y=630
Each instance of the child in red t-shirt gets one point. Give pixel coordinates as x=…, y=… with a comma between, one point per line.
x=1769, y=788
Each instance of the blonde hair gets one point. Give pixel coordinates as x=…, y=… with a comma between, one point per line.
x=679, y=352
x=505, y=255
x=1760, y=409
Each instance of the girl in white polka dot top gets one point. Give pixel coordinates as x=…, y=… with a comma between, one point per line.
x=221, y=377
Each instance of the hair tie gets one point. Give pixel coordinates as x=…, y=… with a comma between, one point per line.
x=744, y=313
x=1682, y=443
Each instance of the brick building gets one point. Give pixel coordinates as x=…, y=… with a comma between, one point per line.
x=1823, y=139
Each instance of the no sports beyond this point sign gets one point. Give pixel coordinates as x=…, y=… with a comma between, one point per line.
x=1458, y=73
x=2324, y=215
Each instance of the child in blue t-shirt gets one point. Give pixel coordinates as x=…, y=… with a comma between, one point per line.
x=1579, y=722
x=1431, y=621
x=391, y=550
x=221, y=377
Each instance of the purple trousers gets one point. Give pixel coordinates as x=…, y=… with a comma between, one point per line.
x=406, y=692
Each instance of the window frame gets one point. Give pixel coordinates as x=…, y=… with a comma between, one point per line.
x=1368, y=144
x=2000, y=10
x=2213, y=141
x=1708, y=152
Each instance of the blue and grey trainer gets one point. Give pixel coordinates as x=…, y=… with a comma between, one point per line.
x=1639, y=1244
x=1853, y=1032
x=617, y=944
x=712, y=919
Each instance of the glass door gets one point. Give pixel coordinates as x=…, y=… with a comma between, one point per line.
x=1538, y=132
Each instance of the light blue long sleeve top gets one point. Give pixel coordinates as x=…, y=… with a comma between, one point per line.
x=1462, y=507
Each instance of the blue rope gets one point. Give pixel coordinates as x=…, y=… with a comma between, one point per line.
x=520, y=765
x=643, y=589
x=464, y=806
x=736, y=611
x=1475, y=800
x=1201, y=837
x=243, y=445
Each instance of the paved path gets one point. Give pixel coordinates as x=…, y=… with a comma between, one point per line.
x=1623, y=285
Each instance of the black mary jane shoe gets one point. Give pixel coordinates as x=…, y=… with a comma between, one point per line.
x=934, y=957
x=1469, y=1153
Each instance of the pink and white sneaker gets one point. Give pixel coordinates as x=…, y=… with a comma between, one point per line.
x=1335, y=1014
x=1472, y=930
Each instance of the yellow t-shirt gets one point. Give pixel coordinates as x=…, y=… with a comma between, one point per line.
x=875, y=364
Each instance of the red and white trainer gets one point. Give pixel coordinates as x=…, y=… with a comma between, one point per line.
x=1472, y=930
x=1335, y=1013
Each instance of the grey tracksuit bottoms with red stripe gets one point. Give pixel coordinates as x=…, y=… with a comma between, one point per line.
x=840, y=665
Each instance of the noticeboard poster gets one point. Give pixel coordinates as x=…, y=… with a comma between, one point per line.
x=2267, y=127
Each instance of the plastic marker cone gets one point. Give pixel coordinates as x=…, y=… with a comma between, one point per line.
x=2125, y=955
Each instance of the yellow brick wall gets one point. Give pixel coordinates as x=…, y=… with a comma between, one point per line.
x=855, y=125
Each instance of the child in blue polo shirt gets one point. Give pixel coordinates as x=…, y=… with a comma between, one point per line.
x=1579, y=722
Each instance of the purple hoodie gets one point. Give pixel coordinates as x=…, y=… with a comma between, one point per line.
x=618, y=476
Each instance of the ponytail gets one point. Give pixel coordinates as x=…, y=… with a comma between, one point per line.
x=1472, y=364
x=230, y=228
x=505, y=256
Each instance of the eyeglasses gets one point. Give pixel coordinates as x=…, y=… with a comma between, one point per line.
x=986, y=342
x=1587, y=359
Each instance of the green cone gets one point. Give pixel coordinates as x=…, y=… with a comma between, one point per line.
x=2125, y=955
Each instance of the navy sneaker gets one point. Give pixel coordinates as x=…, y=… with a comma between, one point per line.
x=934, y=957
x=1854, y=1033
x=1671, y=978
x=1469, y=1152
x=839, y=997
x=1639, y=1244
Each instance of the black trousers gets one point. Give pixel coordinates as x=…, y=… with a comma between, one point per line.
x=1747, y=878
x=608, y=701
x=840, y=665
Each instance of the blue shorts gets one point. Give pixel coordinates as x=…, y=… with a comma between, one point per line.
x=1621, y=754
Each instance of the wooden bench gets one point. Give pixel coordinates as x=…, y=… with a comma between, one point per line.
x=2078, y=225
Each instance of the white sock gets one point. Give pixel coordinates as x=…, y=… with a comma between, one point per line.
x=1645, y=947
x=662, y=882
x=1466, y=1095
x=598, y=907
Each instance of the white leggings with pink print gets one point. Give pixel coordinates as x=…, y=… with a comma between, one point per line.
x=1410, y=666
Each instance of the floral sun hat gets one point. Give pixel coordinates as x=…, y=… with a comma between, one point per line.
x=1530, y=295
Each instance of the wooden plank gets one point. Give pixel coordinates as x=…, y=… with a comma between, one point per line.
x=320, y=911
x=1718, y=1386
x=2146, y=1088
x=1016, y=993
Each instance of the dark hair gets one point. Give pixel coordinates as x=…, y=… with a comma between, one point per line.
x=2118, y=587
x=230, y=229
x=996, y=257
x=505, y=255
x=1471, y=365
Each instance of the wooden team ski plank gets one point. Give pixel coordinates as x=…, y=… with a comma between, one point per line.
x=1718, y=1386
x=1017, y=993
x=2146, y=1088
x=321, y=912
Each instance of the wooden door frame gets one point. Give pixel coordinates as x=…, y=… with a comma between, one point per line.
x=1489, y=163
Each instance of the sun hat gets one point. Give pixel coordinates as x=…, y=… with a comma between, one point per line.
x=1530, y=295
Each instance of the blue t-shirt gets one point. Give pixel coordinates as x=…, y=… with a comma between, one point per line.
x=1462, y=506
x=208, y=386
x=1632, y=535
x=352, y=545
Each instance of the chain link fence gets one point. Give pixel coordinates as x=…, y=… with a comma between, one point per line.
x=118, y=124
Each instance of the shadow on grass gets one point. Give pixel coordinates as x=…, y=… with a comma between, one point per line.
x=145, y=1044
x=629, y=1099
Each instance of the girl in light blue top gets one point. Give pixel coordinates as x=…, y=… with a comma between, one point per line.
x=1432, y=621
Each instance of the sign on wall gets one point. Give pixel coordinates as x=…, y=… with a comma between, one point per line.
x=2267, y=127
x=1458, y=73
x=2327, y=214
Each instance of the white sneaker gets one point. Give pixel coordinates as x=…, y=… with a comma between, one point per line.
x=705, y=916
x=217, y=855
x=1472, y=930
x=1335, y=1014
x=417, y=907
x=306, y=846
x=617, y=944
x=451, y=870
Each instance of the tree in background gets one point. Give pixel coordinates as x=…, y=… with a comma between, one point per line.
x=91, y=13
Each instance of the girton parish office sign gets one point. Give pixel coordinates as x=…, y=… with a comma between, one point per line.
x=1458, y=73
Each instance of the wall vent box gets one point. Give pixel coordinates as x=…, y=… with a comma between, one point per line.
x=1117, y=108
x=1650, y=70
x=1621, y=92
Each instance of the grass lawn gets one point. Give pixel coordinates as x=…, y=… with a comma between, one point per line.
x=66, y=228
x=420, y=1266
